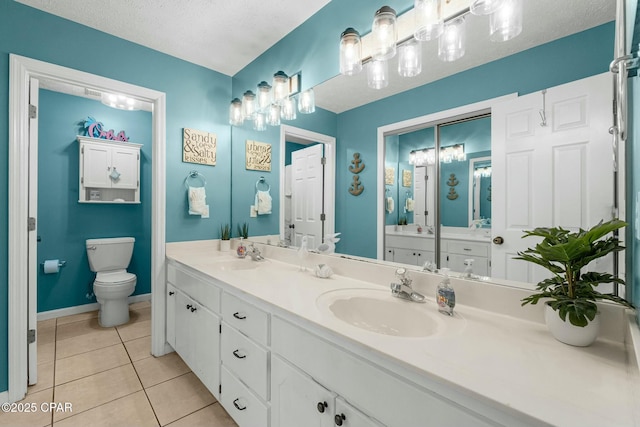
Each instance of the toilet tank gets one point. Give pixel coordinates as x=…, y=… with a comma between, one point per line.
x=109, y=254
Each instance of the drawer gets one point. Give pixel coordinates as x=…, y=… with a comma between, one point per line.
x=421, y=242
x=198, y=289
x=243, y=406
x=246, y=318
x=468, y=248
x=246, y=359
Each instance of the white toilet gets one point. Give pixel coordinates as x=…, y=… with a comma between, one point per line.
x=109, y=259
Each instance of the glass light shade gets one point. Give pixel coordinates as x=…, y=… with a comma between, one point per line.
x=428, y=19
x=451, y=44
x=248, y=105
x=307, y=103
x=264, y=96
x=280, y=86
x=506, y=22
x=235, y=112
x=412, y=157
x=410, y=58
x=119, y=102
x=288, y=111
x=485, y=7
x=273, y=115
x=384, y=33
x=259, y=122
x=350, y=52
x=377, y=74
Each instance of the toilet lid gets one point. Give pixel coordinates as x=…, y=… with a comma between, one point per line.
x=114, y=278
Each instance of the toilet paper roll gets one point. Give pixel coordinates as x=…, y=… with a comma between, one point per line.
x=51, y=266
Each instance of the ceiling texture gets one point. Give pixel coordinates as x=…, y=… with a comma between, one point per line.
x=215, y=35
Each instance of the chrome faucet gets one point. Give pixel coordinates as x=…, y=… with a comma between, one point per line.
x=430, y=266
x=254, y=253
x=403, y=289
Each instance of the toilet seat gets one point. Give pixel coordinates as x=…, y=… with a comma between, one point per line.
x=114, y=279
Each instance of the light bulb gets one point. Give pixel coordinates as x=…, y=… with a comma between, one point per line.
x=235, y=113
x=350, y=52
x=248, y=105
x=410, y=58
x=377, y=74
x=451, y=44
x=264, y=95
x=384, y=34
x=307, y=103
x=280, y=86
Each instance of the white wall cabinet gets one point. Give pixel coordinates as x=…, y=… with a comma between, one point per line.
x=109, y=171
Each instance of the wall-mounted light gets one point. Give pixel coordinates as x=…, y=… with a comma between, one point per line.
x=485, y=7
x=264, y=95
x=410, y=58
x=385, y=33
x=288, y=111
x=483, y=172
x=377, y=74
x=452, y=42
x=506, y=22
x=453, y=153
x=427, y=156
x=350, y=52
x=249, y=105
x=235, y=113
x=273, y=115
x=280, y=86
x=307, y=103
x=428, y=19
x=259, y=122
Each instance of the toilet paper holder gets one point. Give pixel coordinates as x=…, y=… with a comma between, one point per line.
x=60, y=264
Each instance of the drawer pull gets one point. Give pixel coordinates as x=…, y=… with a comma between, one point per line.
x=238, y=407
x=239, y=316
x=339, y=418
x=171, y=293
x=467, y=249
x=322, y=406
x=235, y=353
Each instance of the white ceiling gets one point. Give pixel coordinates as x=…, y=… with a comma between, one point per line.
x=214, y=34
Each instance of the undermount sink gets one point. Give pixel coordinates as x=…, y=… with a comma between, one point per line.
x=237, y=264
x=377, y=311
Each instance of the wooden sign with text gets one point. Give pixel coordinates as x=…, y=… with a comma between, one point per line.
x=199, y=147
x=258, y=156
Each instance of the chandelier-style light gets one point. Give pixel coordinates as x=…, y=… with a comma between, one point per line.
x=377, y=74
x=506, y=22
x=428, y=19
x=385, y=33
x=248, y=105
x=307, y=104
x=235, y=113
x=452, y=42
x=410, y=58
x=350, y=52
x=485, y=7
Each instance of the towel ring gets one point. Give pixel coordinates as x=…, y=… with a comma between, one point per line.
x=194, y=175
x=262, y=181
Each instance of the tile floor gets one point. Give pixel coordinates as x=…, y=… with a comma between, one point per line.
x=110, y=378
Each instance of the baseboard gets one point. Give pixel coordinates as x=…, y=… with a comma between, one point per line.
x=52, y=314
x=4, y=397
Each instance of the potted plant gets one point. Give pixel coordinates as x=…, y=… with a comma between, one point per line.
x=225, y=236
x=571, y=293
x=243, y=231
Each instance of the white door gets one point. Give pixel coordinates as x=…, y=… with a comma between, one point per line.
x=307, y=195
x=560, y=174
x=32, y=322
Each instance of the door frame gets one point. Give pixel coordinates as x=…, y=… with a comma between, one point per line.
x=329, y=142
x=21, y=69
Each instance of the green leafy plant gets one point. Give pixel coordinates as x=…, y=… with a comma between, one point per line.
x=243, y=231
x=565, y=254
x=225, y=232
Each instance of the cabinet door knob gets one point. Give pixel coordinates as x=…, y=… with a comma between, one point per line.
x=237, y=405
x=339, y=418
x=239, y=316
x=322, y=406
x=171, y=293
x=239, y=356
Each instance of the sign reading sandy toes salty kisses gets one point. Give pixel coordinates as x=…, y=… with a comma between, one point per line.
x=258, y=156
x=199, y=147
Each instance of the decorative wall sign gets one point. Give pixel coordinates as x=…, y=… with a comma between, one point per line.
x=406, y=178
x=199, y=147
x=356, y=187
x=95, y=129
x=389, y=176
x=258, y=156
x=452, y=182
x=356, y=164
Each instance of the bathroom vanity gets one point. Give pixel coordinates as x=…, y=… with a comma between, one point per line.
x=280, y=347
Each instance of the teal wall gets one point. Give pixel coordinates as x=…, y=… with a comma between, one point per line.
x=64, y=223
x=196, y=97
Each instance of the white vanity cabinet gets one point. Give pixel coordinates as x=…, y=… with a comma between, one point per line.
x=409, y=249
x=109, y=171
x=193, y=324
x=455, y=252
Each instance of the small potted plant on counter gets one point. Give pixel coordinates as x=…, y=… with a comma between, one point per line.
x=225, y=236
x=571, y=312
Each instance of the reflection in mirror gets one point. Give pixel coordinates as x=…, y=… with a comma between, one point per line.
x=480, y=197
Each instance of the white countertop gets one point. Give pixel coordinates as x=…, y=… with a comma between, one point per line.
x=500, y=359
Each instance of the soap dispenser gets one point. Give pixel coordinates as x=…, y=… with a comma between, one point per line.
x=241, y=251
x=446, y=296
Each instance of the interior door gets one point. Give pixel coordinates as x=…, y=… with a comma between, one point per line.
x=549, y=173
x=32, y=310
x=307, y=194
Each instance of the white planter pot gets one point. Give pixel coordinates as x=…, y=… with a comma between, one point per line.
x=569, y=334
x=225, y=245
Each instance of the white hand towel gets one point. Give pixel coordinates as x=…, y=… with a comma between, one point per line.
x=390, y=204
x=263, y=202
x=409, y=204
x=197, y=201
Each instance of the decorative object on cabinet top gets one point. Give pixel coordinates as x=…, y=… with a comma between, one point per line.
x=95, y=129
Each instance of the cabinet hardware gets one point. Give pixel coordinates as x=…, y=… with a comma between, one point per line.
x=193, y=309
x=339, y=418
x=235, y=403
x=171, y=293
x=322, y=406
x=239, y=316
x=467, y=249
x=236, y=354
x=189, y=306
x=498, y=240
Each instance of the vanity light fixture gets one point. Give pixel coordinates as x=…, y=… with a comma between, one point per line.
x=235, y=113
x=280, y=86
x=453, y=153
x=452, y=42
x=350, y=52
x=288, y=111
x=427, y=156
x=385, y=34
x=307, y=104
x=259, y=122
x=377, y=74
x=483, y=172
x=428, y=19
x=485, y=7
x=264, y=95
x=273, y=115
x=506, y=22
x=249, y=105
x=410, y=58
